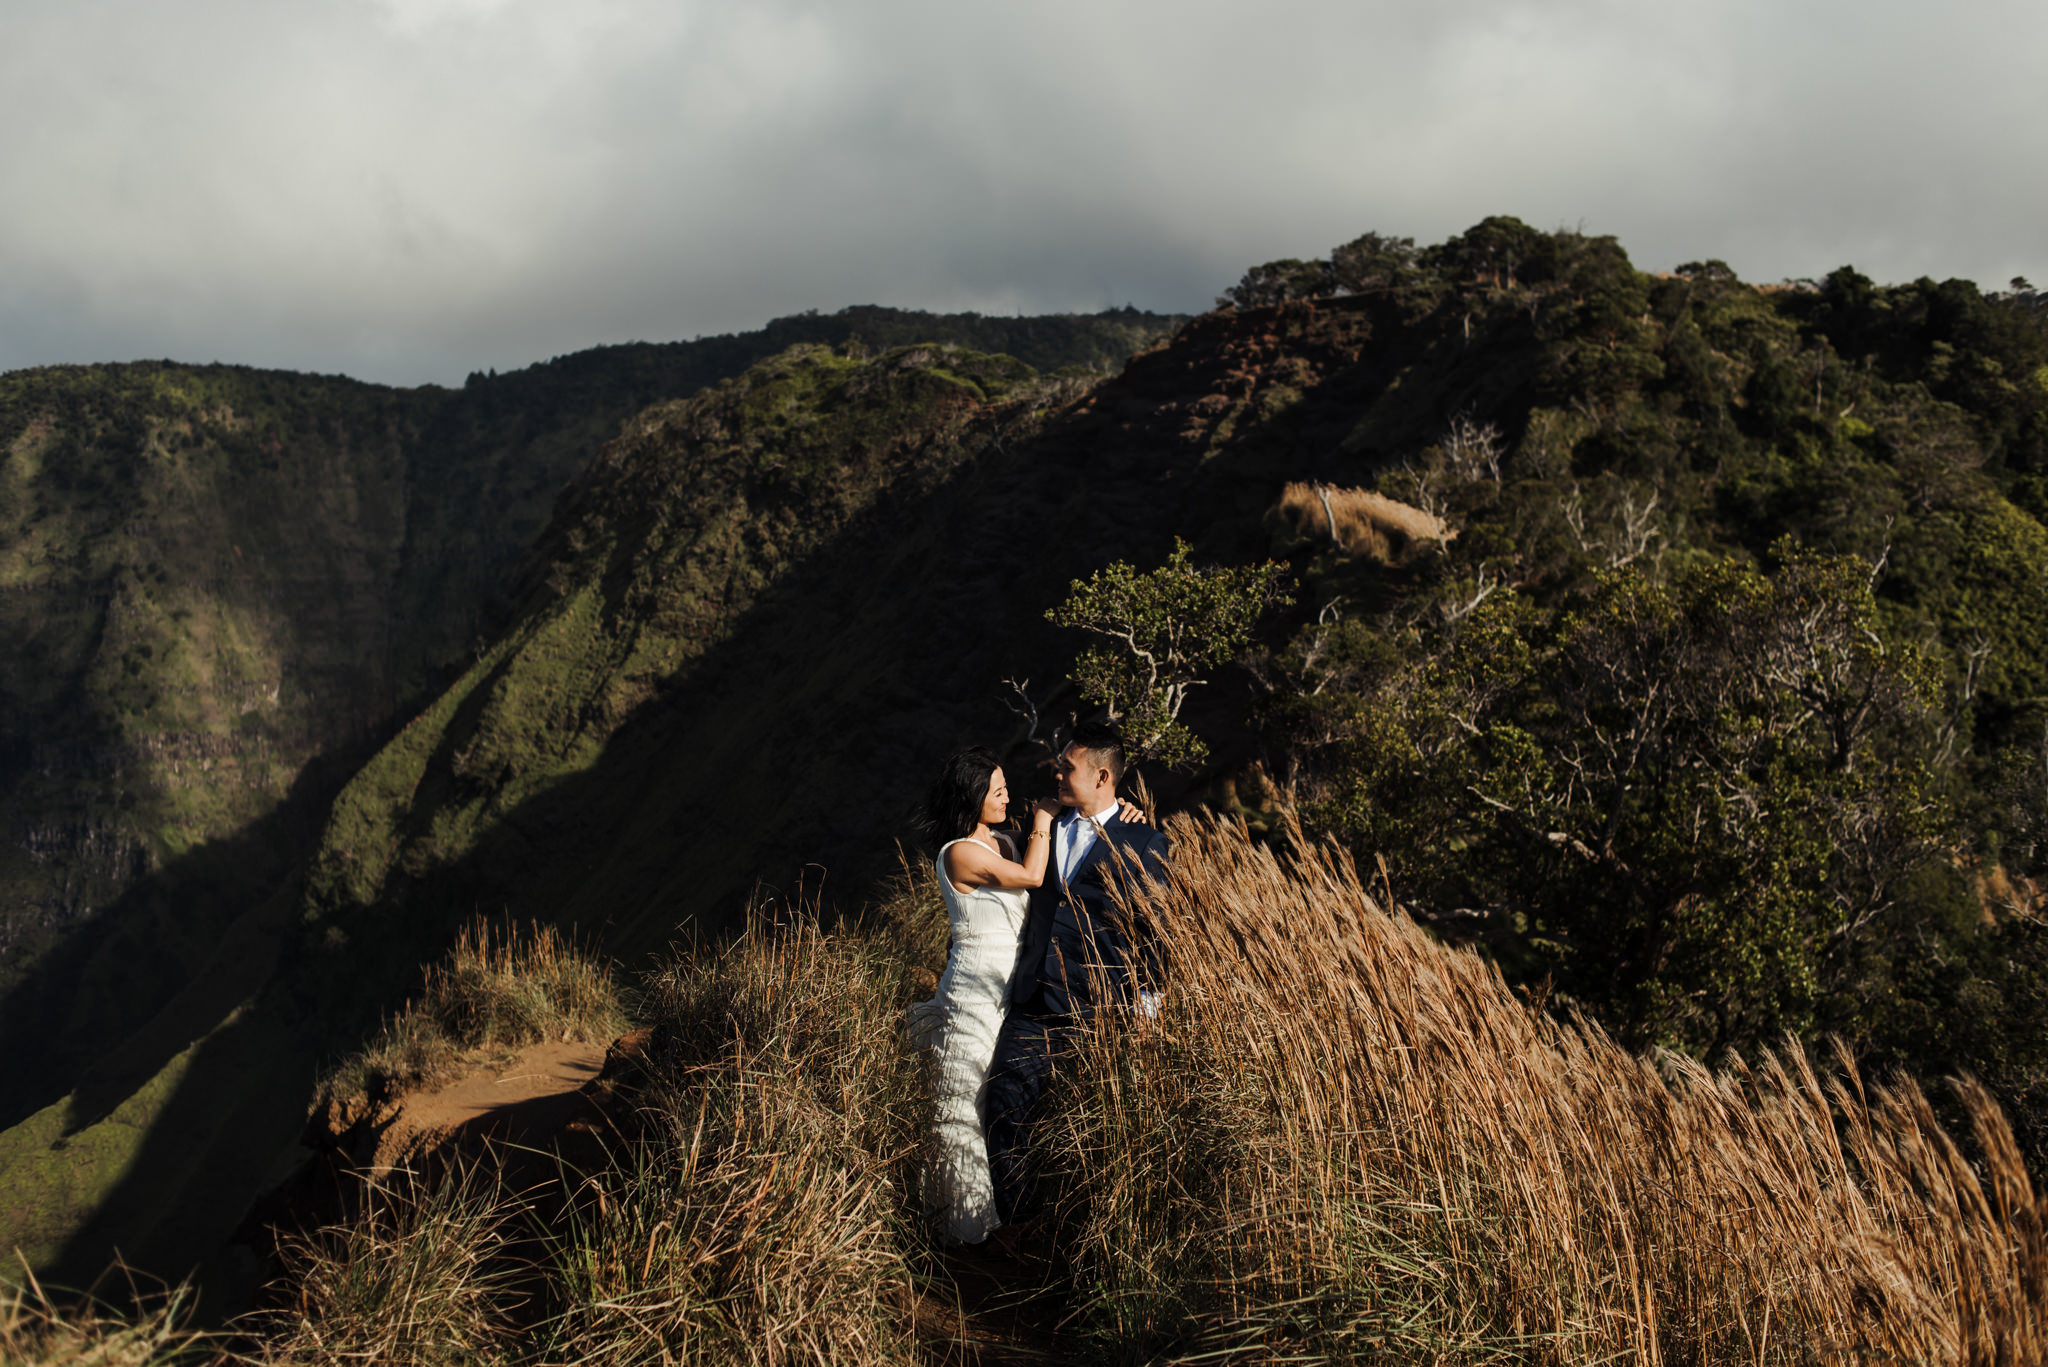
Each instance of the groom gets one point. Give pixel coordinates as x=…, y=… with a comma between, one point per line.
x=1079, y=955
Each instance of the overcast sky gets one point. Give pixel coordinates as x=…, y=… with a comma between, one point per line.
x=407, y=190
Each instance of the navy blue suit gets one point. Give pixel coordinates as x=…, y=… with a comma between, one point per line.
x=1078, y=955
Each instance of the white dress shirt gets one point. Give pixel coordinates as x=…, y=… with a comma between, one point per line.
x=1077, y=835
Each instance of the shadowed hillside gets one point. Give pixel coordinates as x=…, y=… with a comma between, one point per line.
x=758, y=617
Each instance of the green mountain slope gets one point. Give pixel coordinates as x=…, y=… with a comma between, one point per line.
x=1704, y=417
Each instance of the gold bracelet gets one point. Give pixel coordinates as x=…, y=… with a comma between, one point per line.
x=1041, y=835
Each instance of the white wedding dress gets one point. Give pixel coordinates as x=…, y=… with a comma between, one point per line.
x=960, y=1023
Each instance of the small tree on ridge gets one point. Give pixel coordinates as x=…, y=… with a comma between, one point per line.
x=1161, y=631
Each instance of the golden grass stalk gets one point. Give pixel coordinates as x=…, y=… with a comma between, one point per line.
x=421, y=1275
x=1343, y=1141
x=506, y=987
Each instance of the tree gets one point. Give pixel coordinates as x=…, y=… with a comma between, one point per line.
x=1499, y=252
x=1374, y=262
x=1694, y=803
x=1161, y=631
x=1278, y=281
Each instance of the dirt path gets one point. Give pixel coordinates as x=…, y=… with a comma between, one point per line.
x=523, y=1100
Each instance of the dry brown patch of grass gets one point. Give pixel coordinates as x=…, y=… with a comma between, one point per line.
x=1361, y=523
x=1343, y=1141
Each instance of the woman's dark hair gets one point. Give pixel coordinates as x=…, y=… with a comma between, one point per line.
x=954, y=803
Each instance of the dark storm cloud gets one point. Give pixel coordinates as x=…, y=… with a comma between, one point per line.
x=409, y=189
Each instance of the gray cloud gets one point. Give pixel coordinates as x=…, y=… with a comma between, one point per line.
x=410, y=189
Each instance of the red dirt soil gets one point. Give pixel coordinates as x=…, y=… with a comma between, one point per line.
x=525, y=1101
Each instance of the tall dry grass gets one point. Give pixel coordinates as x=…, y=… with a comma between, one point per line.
x=420, y=1275
x=1340, y=1141
x=756, y=1205
x=1343, y=1141
x=1360, y=522
x=37, y=1331
x=766, y=1212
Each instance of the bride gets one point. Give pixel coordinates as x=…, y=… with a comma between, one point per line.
x=987, y=889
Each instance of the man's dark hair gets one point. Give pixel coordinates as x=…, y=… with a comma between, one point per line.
x=953, y=805
x=1106, y=743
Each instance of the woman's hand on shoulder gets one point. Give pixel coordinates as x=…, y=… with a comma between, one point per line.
x=1132, y=812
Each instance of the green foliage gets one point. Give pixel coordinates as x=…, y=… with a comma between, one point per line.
x=1278, y=281
x=1374, y=262
x=1664, y=436
x=1164, y=629
x=1688, y=801
x=1500, y=252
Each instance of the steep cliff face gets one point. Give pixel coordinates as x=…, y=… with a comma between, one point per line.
x=199, y=595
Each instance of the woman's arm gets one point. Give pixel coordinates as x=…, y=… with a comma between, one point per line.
x=971, y=864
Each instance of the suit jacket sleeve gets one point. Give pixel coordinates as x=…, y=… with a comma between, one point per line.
x=1151, y=950
x=1130, y=943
